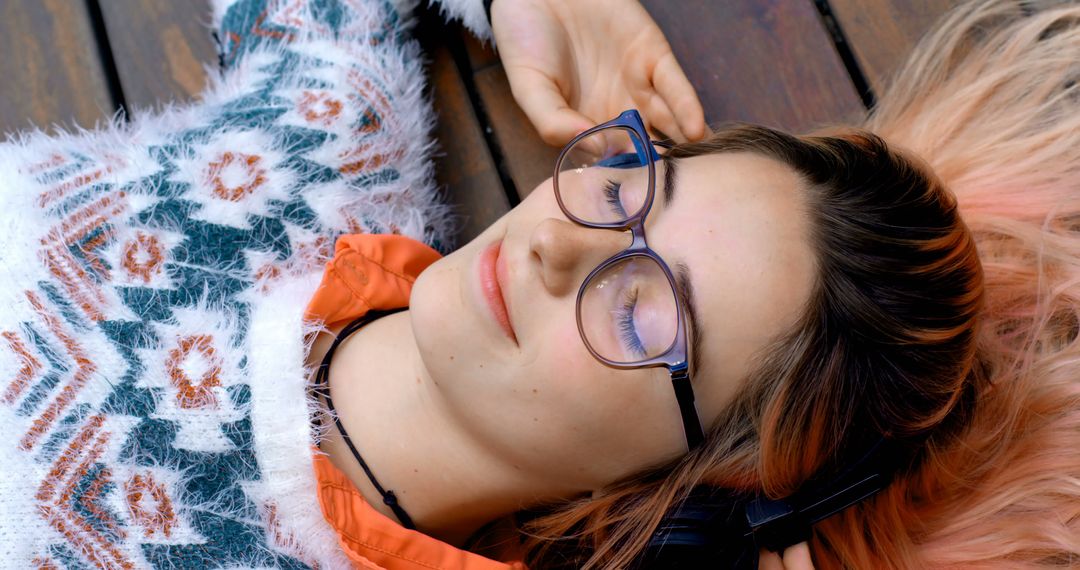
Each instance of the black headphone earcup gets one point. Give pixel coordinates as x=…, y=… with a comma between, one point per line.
x=722, y=529
x=709, y=529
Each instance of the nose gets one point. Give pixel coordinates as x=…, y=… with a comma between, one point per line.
x=567, y=252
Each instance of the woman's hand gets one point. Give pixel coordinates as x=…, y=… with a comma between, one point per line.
x=575, y=63
x=795, y=558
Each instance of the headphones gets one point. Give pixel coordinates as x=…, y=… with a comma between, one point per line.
x=718, y=528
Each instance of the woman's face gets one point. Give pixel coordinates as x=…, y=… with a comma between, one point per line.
x=524, y=384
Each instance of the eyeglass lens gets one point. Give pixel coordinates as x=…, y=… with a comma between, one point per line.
x=604, y=177
x=627, y=311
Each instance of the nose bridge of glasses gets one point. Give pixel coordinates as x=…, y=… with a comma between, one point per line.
x=607, y=242
x=638, y=233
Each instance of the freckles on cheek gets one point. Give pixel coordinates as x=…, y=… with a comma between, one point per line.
x=566, y=358
x=589, y=386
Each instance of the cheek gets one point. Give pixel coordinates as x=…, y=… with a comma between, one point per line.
x=602, y=402
x=560, y=365
x=573, y=386
x=441, y=317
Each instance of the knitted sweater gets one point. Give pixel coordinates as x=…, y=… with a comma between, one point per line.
x=153, y=278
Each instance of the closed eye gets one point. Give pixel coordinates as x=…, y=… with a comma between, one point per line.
x=612, y=195
x=627, y=330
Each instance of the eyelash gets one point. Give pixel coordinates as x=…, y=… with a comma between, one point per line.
x=611, y=194
x=625, y=318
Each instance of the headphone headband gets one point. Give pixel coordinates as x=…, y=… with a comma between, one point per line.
x=718, y=526
x=777, y=524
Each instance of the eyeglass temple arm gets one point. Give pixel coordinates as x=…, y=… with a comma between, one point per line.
x=684, y=394
x=655, y=156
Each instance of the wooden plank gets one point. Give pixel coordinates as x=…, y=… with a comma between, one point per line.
x=882, y=33
x=481, y=55
x=160, y=48
x=763, y=61
x=463, y=166
x=528, y=159
x=50, y=66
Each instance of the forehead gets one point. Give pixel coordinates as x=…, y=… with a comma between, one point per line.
x=738, y=221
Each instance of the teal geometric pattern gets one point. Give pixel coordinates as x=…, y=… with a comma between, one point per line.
x=125, y=384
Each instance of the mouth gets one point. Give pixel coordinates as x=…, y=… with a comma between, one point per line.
x=492, y=271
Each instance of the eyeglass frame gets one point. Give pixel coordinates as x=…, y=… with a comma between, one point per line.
x=676, y=357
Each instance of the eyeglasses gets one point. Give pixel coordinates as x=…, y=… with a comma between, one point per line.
x=629, y=312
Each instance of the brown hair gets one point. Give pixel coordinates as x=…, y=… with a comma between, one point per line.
x=884, y=345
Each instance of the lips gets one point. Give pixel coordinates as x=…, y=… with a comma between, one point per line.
x=492, y=270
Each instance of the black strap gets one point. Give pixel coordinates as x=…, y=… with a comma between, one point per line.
x=684, y=394
x=777, y=524
x=322, y=386
x=724, y=529
x=487, y=9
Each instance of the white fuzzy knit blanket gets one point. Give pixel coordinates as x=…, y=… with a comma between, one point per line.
x=153, y=278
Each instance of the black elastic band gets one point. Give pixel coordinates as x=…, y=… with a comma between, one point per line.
x=322, y=386
x=684, y=394
x=487, y=9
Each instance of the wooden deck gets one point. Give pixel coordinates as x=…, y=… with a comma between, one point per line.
x=791, y=64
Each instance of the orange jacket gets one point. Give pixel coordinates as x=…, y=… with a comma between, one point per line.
x=371, y=271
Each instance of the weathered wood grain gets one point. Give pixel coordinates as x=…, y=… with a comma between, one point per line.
x=481, y=55
x=160, y=48
x=764, y=61
x=50, y=69
x=528, y=159
x=883, y=32
x=463, y=165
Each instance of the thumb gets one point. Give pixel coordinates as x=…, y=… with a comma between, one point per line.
x=797, y=557
x=539, y=96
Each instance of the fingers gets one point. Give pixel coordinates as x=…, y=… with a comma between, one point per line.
x=665, y=97
x=544, y=104
x=677, y=92
x=798, y=557
x=653, y=109
x=658, y=117
x=768, y=560
x=795, y=557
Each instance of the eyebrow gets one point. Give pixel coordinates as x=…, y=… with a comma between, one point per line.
x=670, y=165
x=684, y=288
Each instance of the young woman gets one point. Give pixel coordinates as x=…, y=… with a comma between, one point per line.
x=832, y=292
x=791, y=313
